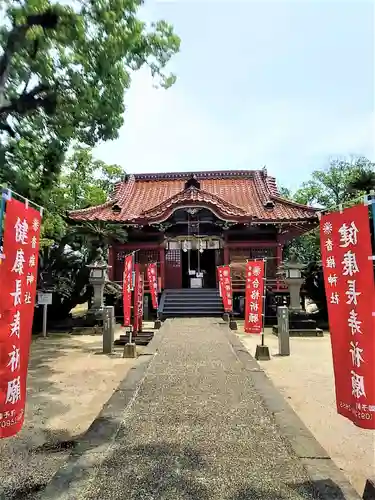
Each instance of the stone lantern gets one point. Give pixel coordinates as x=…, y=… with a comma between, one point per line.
x=292, y=271
x=300, y=324
x=98, y=278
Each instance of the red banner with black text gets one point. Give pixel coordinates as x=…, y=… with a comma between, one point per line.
x=18, y=278
x=127, y=288
x=152, y=277
x=138, y=299
x=349, y=284
x=254, y=297
x=225, y=287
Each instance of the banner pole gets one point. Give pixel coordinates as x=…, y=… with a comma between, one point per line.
x=372, y=201
x=264, y=299
x=3, y=199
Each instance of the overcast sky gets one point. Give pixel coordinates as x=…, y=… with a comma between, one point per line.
x=282, y=84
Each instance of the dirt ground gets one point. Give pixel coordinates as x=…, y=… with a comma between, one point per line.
x=306, y=380
x=69, y=381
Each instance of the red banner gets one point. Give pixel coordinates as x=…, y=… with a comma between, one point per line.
x=138, y=299
x=127, y=288
x=225, y=287
x=18, y=278
x=349, y=284
x=152, y=276
x=254, y=297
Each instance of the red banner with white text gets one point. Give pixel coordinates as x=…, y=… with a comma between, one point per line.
x=254, y=297
x=349, y=284
x=225, y=287
x=152, y=277
x=18, y=278
x=138, y=299
x=127, y=288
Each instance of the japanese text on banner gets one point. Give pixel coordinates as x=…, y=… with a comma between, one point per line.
x=349, y=285
x=18, y=277
x=254, y=297
x=152, y=278
x=138, y=299
x=225, y=287
x=127, y=288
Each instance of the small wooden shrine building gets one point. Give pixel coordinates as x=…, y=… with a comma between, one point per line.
x=189, y=223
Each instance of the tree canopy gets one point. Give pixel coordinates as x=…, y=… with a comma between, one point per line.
x=342, y=182
x=339, y=183
x=86, y=61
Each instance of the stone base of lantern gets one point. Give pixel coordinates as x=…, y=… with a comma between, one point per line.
x=139, y=339
x=301, y=325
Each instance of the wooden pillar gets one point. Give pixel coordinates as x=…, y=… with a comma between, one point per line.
x=162, y=263
x=112, y=263
x=226, y=250
x=279, y=259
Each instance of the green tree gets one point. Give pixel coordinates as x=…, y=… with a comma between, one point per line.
x=83, y=182
x=87, y=61
x=334, y=185
x=341, y=183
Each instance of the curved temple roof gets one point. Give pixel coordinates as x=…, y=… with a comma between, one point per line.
x=238, y=196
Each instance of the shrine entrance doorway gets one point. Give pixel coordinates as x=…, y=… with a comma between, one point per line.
x=199, y=268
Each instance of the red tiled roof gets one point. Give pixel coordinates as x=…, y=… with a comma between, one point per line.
x=233, y=195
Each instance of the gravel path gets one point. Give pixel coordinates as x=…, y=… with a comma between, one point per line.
x=198, y=430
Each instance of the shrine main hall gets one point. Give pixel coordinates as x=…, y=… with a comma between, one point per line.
x=190, y=223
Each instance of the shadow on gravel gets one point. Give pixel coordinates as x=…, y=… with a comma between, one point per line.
x=317, y=489
x=164, y=470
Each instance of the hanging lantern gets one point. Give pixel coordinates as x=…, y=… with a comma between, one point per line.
x=201, y=246
x=184, y=246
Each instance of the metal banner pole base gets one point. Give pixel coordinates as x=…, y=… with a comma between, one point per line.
x=232, y=323
x=130, y=349
x=262, y=353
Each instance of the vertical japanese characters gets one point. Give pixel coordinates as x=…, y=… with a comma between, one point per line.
x=348, y=275
x=138, y=299
x=254, y=297
x=127, y=288
x=152, y=278
x=18, y=277
x=225, y=287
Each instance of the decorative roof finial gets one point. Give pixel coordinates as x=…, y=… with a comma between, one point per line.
x=192, y=182
x=264, y=171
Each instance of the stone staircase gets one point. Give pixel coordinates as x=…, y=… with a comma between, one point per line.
x=188, y=302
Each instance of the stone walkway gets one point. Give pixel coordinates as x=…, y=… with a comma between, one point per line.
x=196, y=428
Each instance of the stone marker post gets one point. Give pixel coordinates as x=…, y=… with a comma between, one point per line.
x=283, y=330
x=108, y=329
